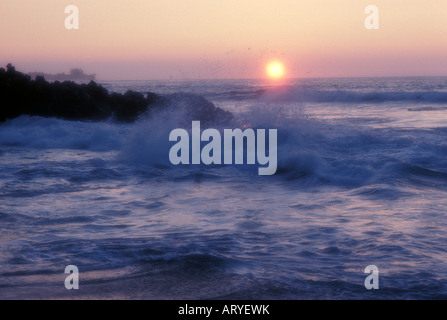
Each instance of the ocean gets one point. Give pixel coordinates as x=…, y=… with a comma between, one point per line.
x=361, y=180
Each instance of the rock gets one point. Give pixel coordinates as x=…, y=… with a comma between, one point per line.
x=92, y=102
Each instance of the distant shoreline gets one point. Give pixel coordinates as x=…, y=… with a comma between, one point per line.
x=74, y=75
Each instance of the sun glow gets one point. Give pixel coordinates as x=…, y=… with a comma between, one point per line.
x=275, y=70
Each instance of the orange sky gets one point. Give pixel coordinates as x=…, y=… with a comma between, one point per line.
x=159, y=39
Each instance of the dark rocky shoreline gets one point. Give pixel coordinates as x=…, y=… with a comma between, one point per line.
x=20, y=95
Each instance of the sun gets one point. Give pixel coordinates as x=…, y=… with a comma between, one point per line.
x=275, y=70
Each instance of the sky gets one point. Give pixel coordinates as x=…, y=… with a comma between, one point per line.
x=207, y=39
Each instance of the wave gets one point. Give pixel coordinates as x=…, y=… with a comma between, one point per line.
x=320, y=96
x=297, y=94
x=51, y=133
x=310, y=152
x=428, y=108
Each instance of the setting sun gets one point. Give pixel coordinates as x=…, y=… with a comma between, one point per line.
x=275, y=70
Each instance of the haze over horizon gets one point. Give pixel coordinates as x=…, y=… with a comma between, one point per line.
x=200, y=39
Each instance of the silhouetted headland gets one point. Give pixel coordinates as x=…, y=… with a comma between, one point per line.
x=70, y=101
x=74, y=75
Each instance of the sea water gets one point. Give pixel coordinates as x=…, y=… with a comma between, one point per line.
x=361, y=180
